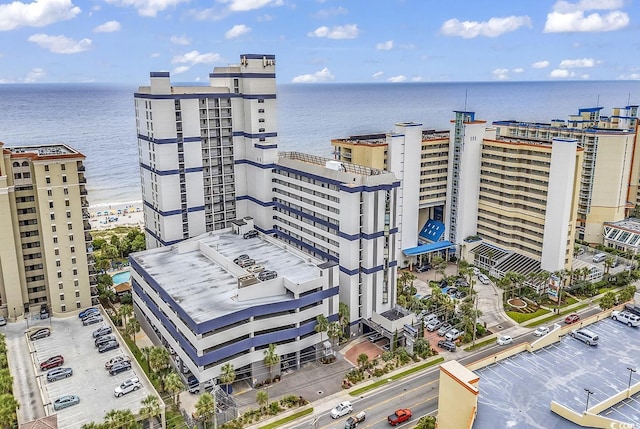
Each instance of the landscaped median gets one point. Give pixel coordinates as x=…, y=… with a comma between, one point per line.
x=382, y=382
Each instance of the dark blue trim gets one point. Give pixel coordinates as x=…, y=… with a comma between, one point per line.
x=266, y=146
x=159, y=74
x=306, y=215
x=189, y=96
x=160, y=212
x=169, y=141
x=254, y=163
x=171, y=172
x=304, y=245
x=348, y=271
x=255, y=200
x=195, y=209
x=258, y=56
x=164, y=243
x=350, y=237
x=244, y=75
x=372, y=270
x=339, y=183
x=393, y=263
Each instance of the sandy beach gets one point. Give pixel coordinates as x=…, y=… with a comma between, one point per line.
x=112, y=215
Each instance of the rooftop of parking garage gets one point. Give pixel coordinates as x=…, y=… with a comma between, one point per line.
x=517, y=391
x=200, y=275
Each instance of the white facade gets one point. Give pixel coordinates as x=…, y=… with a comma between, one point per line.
x=201, y=146
x=203, y=306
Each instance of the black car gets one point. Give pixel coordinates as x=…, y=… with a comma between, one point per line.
x=447, y=345
x=423, y=268
x=250, y=234
x=104, y=340
x=120, y=367
x=111, y=345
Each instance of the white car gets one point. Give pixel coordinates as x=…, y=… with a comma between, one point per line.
x=504, y=340
x=476, y=271
x=625, y=317
x=453, y=334
x=342, y=409
x=541, y=331
x=129, y=385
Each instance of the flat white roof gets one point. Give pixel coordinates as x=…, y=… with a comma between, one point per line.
x=206, y=289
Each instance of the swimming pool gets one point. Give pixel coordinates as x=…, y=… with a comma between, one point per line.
x=121, y=277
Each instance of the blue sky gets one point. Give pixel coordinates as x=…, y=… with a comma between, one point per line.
x=316, y=41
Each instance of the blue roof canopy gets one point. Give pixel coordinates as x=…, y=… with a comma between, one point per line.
x=428, y=248
x=432, y=230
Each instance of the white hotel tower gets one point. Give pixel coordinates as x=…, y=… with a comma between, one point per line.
x=199, y=148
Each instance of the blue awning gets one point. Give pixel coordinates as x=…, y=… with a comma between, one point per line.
x=432, y=230
x=428, y=248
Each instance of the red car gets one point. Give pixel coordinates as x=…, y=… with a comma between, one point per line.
x=572, y=318
x=401, y=415
x=52, y=362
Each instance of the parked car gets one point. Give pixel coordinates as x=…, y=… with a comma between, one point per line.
x=447, y=345
x=452, y=291
x=59, y=373
x=401, y=415
x=453, y=334
x=541, y=331
x=40, y=333
x=114, y=360
x=52, y=362
x=3, y=321
x=111, y=345
x=444, y=329
x=104, y=330
x=90, y=314
x=376, y=336
x=572, y=318
x=193, y=385
x=250, y=234
x=476, y=271
x=255, y=268
x=88, y=311
x=626, y=317
x=426, y=318
x=423, y=268
x=104, y=340
x=483, y=279
x=342, y=409
x=92, y=320
x=240, y=258
x=586, y=336
x=434, y=324
x=267, y=275
x=127, y=386
x=244, y=263
x=119, y=367
x=460, y=294
x=65, y=401
x=504, y=340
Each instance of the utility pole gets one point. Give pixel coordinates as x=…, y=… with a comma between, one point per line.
x=475, y=312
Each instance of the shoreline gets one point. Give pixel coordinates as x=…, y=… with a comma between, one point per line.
x=111, y=215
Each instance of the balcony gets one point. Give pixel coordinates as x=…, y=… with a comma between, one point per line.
x=83, y=191
x=86, y=225
x=87, y=237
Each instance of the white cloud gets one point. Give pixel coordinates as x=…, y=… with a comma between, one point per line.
x=561, y=73
x=416, y=79
x=35, y=75
x=377, y=75
x=180, y=40
x=494, y=27
x=246, y=5
x=155, y=55
x=541, y=64
x=331, y=12
x=630, y=76
x=385, y=46
x=237, y=31
x=147, y=7
x=399, y=78
x=195, y=57
x=39, y=13
x=60, y=44
x=518, y=70
x=181, y=69
x=571, y=17
x=349, y=31
x=323, y=75
x=108, y=27
x=578, y=63
x=500, y=74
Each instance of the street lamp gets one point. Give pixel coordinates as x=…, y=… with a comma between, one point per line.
x=631, y=371
x=589, y=393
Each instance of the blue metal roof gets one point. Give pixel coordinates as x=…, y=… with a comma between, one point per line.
x=427, y=248
x=432, y=230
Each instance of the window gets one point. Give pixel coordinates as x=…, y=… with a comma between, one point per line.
x=26, y=175
x=50, y=204
x=52, y=216
x=261, y=120
x=48, y=180
x=60, y=285
x=73, y=249
x=63, y=167
x=56, y=252
x=55, y=240
x=260, y=100
x=68, y=215
x=66, y=203
x=73, y=260
x=17, y=175
x=75, y=271
x=66, y=191
x=64, y=179
x=78, y=304
x=76, y=283
x=260, y=110
x=77, y=294
x=46, y=168
x=61, y=297
x=53, y=228
x=59, y=274
x=58, y=262
x=49, y=193
x=63, y=308
x=70, y=226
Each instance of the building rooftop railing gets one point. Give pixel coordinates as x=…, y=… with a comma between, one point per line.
x=322, y=161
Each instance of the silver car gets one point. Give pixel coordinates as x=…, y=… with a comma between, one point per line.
x=59, y=373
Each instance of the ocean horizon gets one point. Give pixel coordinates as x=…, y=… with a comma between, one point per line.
x=99, y=119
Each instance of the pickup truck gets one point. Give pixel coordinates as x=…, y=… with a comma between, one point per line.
x=401, y=415
x=352, y=422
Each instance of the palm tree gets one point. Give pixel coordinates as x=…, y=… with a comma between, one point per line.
x=146, y=351
x=334, y=331
x=439, y=264
x=133, y=327
x=227, y=374
x=206, y=408
x=121, y=419
x=150, y=408
x=262, y=397
x=406, y=279
x=322, y=324
x=6, y=381
x=8, y=407
x=173, y=384
x=271, y=358
x=125, y=311
x=159, y=361
x=608, y=263
x=363, y=360
x=344, y=314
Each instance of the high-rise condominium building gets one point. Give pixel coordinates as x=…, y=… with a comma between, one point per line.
x=44, y=231
x=202, y=147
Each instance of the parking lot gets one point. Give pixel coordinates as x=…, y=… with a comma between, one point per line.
x=517, y=391
x=90, y=381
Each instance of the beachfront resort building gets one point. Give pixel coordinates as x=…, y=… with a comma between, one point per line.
x=44, y=231
x=201, y=147
x=210, y=311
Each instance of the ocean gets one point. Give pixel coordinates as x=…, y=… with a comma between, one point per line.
x=99, y=119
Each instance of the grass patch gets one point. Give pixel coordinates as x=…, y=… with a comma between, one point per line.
x=481, y=344
x=569, y=301
x=523, y=317
x=605, y=289
x=384, y=381
x=555, y=316
x=288, y=419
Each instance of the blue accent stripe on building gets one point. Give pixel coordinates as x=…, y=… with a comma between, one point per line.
x=393, y=263
x=305, y=215
x=159, y=74
x=172, y=212
x=161, y=241
x=169, y=141
x=255, y=200
x=323, y=255
x=372, y=270
x=348, y=271
x=254, y=135
x=244, y=75
x=254, y=163
x=350, y=237
x=258, y=56
x=339, y=183
x=171, y=172
x=266, y=146
x=190, y=96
